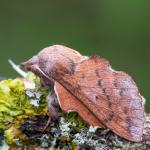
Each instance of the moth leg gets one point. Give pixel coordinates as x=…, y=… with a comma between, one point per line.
x=52, y=103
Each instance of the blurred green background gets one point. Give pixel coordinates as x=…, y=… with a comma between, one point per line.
x=117, y=30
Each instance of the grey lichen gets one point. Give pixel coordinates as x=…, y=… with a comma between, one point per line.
x=66, y=135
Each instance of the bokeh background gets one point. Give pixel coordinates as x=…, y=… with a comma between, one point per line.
x=117, y=30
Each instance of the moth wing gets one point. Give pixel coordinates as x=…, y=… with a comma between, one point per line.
x=70, y=103
x=112, y=96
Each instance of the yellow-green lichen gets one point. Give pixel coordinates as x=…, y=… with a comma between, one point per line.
x=15, y=106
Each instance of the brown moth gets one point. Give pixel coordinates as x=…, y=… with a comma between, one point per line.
x=102, y=97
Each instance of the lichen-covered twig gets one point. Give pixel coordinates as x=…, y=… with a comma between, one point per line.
x=71, y=133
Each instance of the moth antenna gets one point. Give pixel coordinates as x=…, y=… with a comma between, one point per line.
x=42, y=72
x=17, y=68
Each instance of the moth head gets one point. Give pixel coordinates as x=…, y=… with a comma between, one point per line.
x=33, y=66
x=56, y=57
x=30, y=64
x=40, y=62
